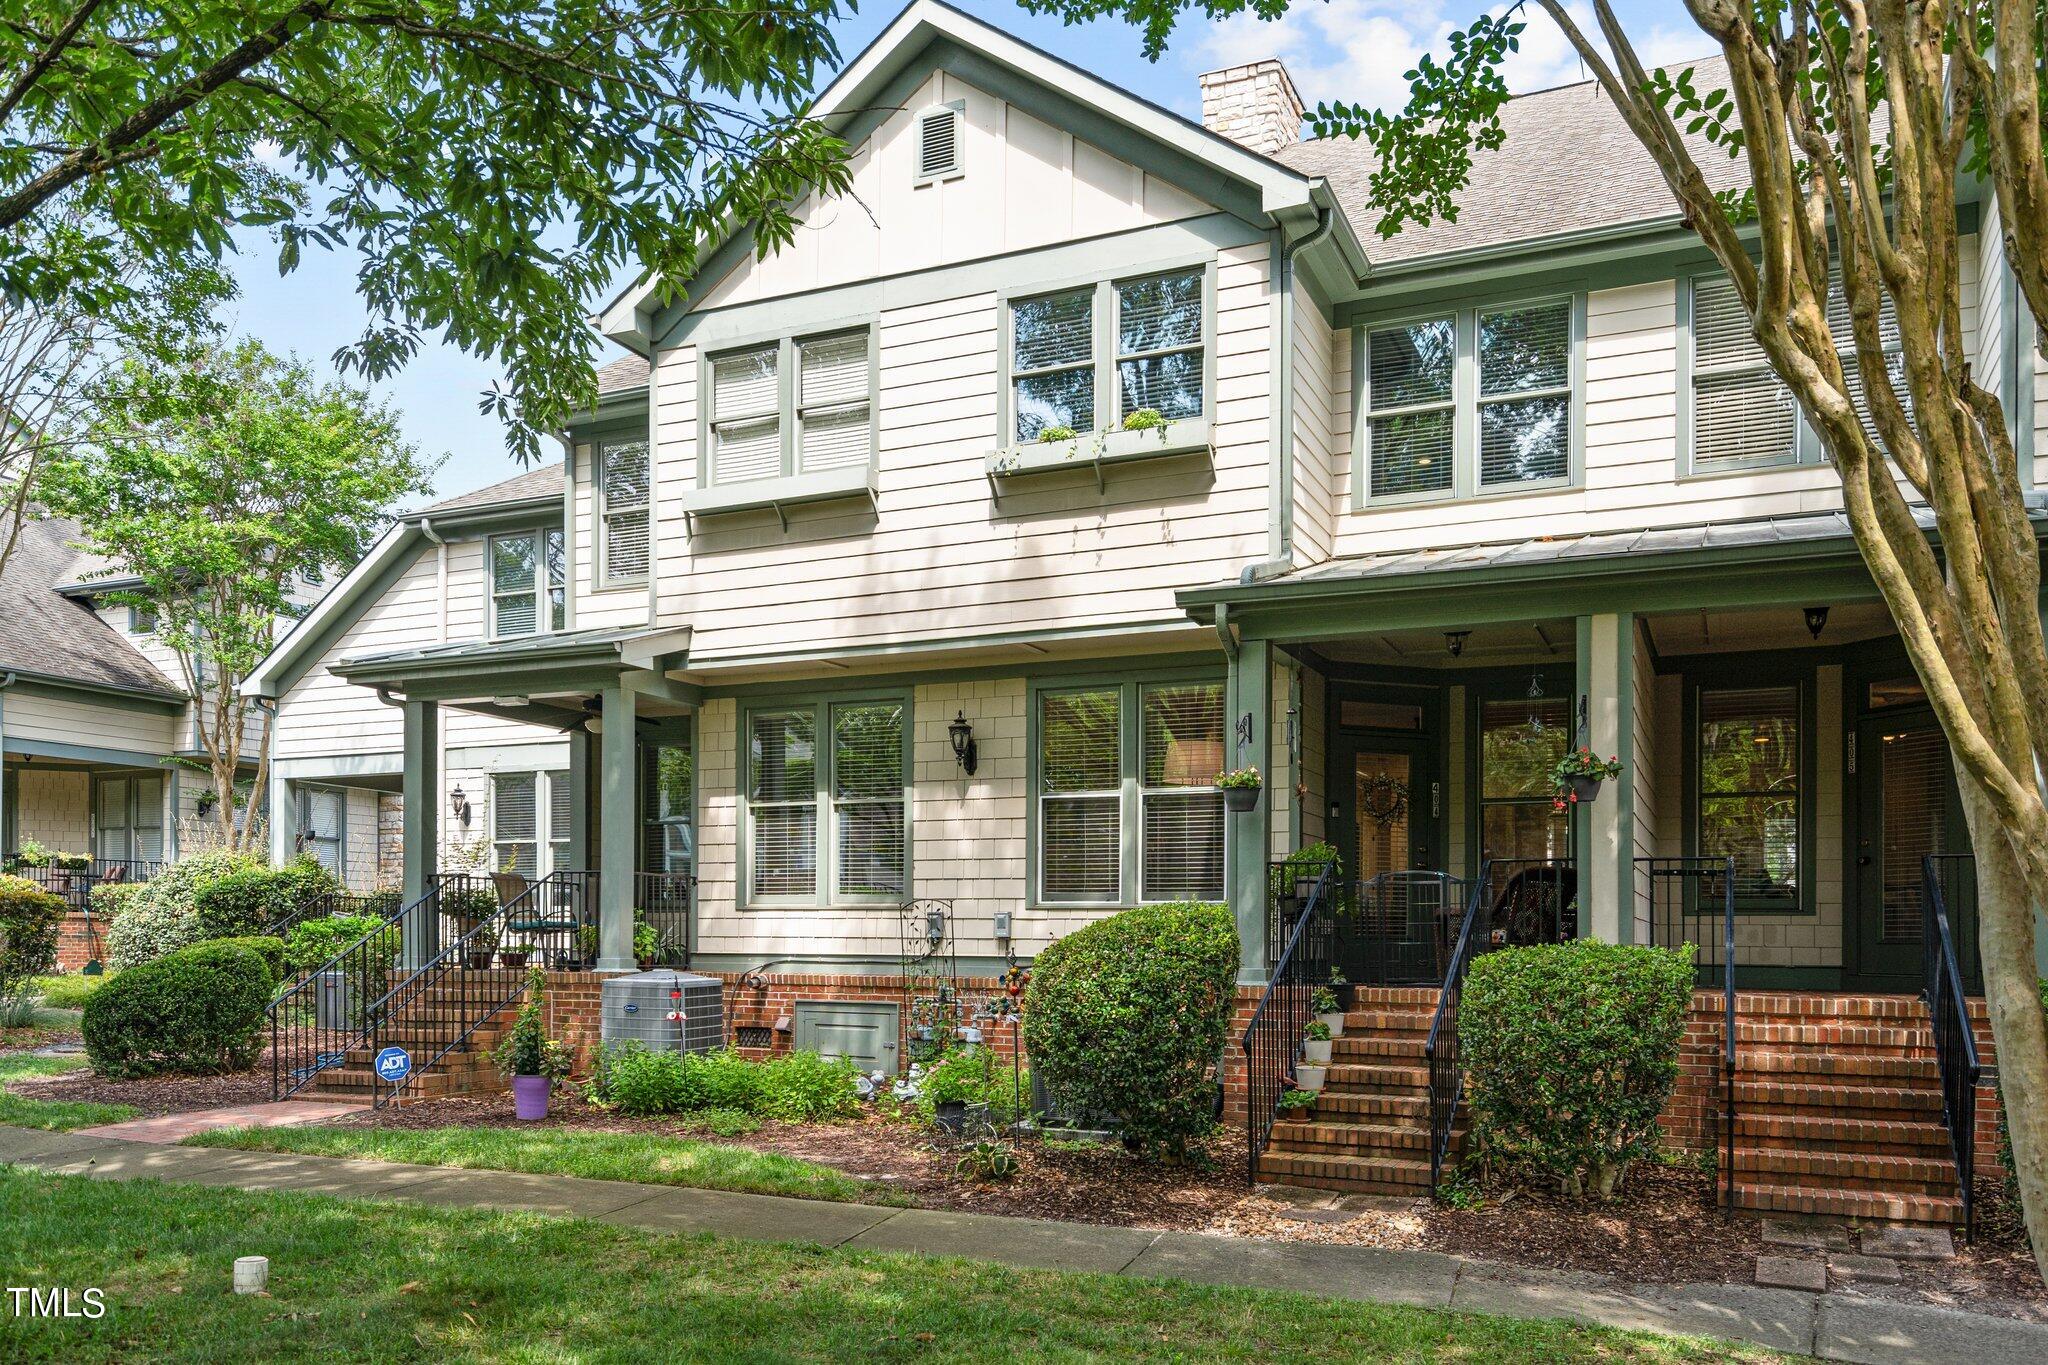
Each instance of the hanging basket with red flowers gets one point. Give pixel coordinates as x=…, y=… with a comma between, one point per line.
x=1576, y=777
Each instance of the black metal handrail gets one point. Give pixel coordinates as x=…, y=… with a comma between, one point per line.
x=664, y=900
x=1955, y=1040
x=1446, y=1080
x=329, y=1011
x=1272, y=1040
x=74, y=885
x=1399, y=927
x=382, y=904
x=1687, y=897
x=435, y=1009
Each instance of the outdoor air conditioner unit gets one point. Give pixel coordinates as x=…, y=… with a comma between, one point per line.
x=636, y=1008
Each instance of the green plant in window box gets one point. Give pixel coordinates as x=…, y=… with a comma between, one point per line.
x=1147, y=419
x=1576, y=777
x=1241, y=787
x=1056, y=432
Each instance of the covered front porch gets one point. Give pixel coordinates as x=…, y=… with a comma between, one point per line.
x=1780, y=768
x=567, y=862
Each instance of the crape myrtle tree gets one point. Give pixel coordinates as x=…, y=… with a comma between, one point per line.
x=227, y=482
x=494, y=164
x=1856, y=121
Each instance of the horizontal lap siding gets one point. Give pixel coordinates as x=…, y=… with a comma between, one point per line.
x=1631, y=435
x=62, y=720
x=940, y=556
x=1315, y=499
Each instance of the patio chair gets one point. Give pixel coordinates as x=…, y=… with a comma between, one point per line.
x=1537, y=905
x=539, y=915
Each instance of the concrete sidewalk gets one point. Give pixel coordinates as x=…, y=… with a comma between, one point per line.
x=1832, y=1326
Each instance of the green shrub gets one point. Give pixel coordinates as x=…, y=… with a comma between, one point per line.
x=164, y=916
x=314, y=941
x=800, y=1086
x=975, y=1076
x=29, y=920
x=109, y=899
x=1570, y=1052
x=1126, y=1018
x=257, y=900
x=197, y=1010
x=71, y=991
x=268, y=947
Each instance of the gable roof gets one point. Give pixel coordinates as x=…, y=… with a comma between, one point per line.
x=1569, y=165
x=532, y=485
x=930, y=33
x=58, y=637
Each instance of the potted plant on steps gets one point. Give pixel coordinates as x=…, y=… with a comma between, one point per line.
x=1240, y=788
x=1322, y=1003
x=528, y=1057
x=479, y=947
x=1297, y=1105
x=1576, y=778
x=1315, y=1043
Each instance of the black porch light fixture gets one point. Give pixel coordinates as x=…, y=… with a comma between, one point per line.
x=1816, y=621
x=458, y=804
x=964, y=749
x=1454, y=641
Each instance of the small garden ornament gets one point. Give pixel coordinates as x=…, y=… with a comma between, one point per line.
x=532, y=1060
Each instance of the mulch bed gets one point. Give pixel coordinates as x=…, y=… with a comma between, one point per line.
x=1662, y=1226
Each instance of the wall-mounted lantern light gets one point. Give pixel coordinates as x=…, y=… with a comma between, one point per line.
x=1454, y=641
x=1816, y=621
x=458, y=804
x=964, y=749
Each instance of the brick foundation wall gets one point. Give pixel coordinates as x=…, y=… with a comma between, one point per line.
x=74, y=944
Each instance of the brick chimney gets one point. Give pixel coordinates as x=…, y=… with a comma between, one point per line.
x=1254, y=105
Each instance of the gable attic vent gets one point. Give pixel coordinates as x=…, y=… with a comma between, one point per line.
x=938, y=142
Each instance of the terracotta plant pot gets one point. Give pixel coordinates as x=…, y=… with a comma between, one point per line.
x=530, y=1097
x=1241, y=798
x=1316, y=1050
x=1586, y=789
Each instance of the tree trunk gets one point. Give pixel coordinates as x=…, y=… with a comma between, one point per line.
x=2006, y=906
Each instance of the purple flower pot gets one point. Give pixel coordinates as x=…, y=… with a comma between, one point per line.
x=530, y=1097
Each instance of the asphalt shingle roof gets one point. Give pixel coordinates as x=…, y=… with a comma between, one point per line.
x=542, y=481
x=43, y=631
x=1569, y=164
x=627, y=372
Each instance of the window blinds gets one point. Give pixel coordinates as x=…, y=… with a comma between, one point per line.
x=625, y=491
x=1053, y=363
x=1081, y=796
x=746, y=425
x=867, y=799
x=1411, y=426
x=783, y=803
x=514, y=606
x=834, y=429
x=560, y=794
x=515, y=825
x=1159, y=344
x=1181, y=853
x=1525, y=363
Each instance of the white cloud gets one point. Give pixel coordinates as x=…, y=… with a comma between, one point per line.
x=1357, y=50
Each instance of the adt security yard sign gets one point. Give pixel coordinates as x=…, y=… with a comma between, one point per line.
x=394, y=1064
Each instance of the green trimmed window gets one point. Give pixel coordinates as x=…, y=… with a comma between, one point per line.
x=1750, y=768
x=128, y=817
x=323, y=826
x=1470, y=401
x=1128, y=808
x=1520, y=740
x=530, y=822
x=800, y=405
x=623, y=490
x=529, y=583
x=827, y=823
x=1088, y=357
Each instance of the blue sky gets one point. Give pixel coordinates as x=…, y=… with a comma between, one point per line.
x=1334, y=49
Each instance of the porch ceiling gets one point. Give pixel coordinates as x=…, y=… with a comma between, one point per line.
x=550, y=680
x=1771, y=628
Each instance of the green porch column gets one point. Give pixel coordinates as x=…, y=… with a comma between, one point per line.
x=1250, y=744
x=1606, y=834
x=421, y=787
x=579, y=803
x=617, y=826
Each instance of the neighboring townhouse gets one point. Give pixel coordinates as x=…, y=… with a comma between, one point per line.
x=862, y=595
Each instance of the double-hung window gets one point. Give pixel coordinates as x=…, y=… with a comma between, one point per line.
x=1749, y=761
x=323, y=825
x=130, y=817
x=1470, y=402
x=1086, y=359
x=1742, y=415
x=1128, y=808
x=796, y=406
x=623, y=486
x=529, y=583
x=529, y=815
x=827, y=823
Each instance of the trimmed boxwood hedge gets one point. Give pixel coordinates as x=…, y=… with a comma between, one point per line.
x=1570, y=1052
x=197, y=1011
x=266, y=946
x=1126, y=1018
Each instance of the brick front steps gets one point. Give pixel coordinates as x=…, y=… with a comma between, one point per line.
x=466, y=1069
x=1837, y=1101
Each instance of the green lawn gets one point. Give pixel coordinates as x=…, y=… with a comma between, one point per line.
x=68, y=992
x=356, y=1281
x=23, y=1112
x=645, y=1157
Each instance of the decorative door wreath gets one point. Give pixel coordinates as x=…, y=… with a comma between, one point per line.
x=1383, y=799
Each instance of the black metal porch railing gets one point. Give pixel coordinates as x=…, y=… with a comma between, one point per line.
x=1955, y=1039
x=381, y=904
x=1692, y=900
x=1398, y=928
x=1514, y=903
x=664, y=900
x=73, y=885
x=329, y=1011
x=1272, y=1041
x=434, y=1010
